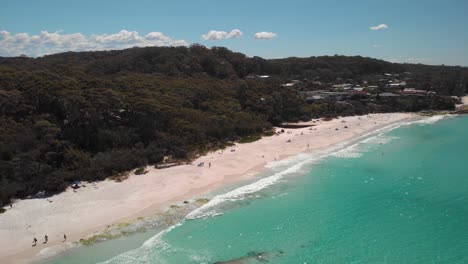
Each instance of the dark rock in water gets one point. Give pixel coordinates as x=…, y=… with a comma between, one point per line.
x=252, y=256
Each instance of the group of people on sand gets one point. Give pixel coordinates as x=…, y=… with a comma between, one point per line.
x=201, y=164
x=46, y=239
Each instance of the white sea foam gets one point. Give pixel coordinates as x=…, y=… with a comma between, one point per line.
x=350, y=152
x=241, y=192
x=379, y=139
x=288, y=161
x=432, y=119
x=142, y=254
x=53, y=251
x=356, y=151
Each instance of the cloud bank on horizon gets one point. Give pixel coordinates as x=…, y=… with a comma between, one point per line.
x=54, y=42
x=48, y=43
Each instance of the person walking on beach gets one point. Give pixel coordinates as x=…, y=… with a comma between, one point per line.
x=64, y=237
x=34, y=242
x=46, y=238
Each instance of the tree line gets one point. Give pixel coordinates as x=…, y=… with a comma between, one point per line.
x=90, y=115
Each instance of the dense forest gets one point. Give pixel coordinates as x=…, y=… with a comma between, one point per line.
x=89, y=115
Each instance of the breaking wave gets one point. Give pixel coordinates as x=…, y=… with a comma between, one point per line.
x=143, y=254
x=432, y=119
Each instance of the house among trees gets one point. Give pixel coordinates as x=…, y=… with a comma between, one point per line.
x=360, y=94
x=396, y=84
x=414, y=91
x=291, y=84
x=344, y=86
x=388, y=95
x=257, y=77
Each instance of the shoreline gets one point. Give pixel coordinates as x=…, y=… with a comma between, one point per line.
x=106, y=203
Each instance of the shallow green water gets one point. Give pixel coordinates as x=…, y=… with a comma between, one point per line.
x=401, y=197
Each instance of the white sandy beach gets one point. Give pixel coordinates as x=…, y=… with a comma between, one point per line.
x=90, y=209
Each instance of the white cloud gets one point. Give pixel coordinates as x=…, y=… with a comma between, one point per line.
x=157, y=36
x=376, y=46
x=219, y=35
x=47, y=42
x=379, y=27
x=178, y=43
x=265, y=35
x=235, y=33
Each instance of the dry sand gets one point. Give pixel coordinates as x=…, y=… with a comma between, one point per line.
x=91, y=209
x=464, y=100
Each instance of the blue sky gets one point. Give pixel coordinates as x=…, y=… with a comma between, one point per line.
x=426, y=31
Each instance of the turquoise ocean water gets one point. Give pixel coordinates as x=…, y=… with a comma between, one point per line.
x=398, y=196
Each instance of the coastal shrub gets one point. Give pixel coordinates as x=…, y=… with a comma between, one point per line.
x=180, y=153
x=141, y=171
x=268, y=133
x=54, y=182
x=120, y=177
x=249, y=139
